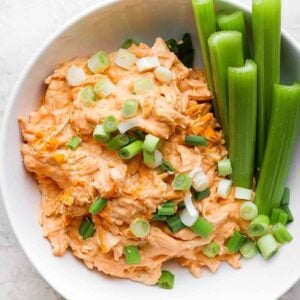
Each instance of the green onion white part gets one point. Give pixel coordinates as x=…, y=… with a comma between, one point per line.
x=150, y=142
x=182, y=182
x=143, y=85
x=224, y=188
x=248, y=211
x=195, y=171
x=147, y=63
x=124, y=127
x=243, y=194
x=140, y=228
x=200, y=182
x=99, y=62
x=248, y=249
x=189, y=205
x=224, y=167
x=267, y=246
x=130, y=108
x=187, y=219
x=110, y=124
x=87, y=95
x=163, y=74
x=125, y=59
x=152, y=159
x=100, y=135
x=104, y=87
x=75, y=76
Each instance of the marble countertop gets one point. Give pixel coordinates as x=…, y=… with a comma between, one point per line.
x=24, y=25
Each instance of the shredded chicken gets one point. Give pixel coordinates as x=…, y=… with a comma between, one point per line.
x=69, y=180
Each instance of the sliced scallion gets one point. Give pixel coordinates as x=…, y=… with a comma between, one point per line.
x=248, y=211
x=195, y=140
x=224, y=167
x=242, y=88
x=235, y=242
x=286, y=209
x=118, y=142
x=150, y=142
x=166, y=209
x=104, y=87
x=211, y=250
x=143, y=85
x=248, y=249
x=131, y=150
x=99, y=62
x=97, y=205
x=166, y=280
x=281, y=234
x=128, y=43
x=87, y=95
x=74, y=142
x=202, y=195
x=202, y=227
x=224, y=188
x=132, y=255
x=267, y=246
x=152, y=159
x=130, y=108
x=259, y=225
x=110, y=124
x=100, y=135
x=182, y=182
x=140, y=228
x=86, y=229
x=278, y=215
x=174, y=223
x=166, y=166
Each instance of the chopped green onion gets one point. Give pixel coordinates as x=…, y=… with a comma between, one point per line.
x=224, y=167
x=202, y=227
x=97, y=205
x=224, y=188
x=100, y=135
x=163, y=74
x=281, y=234
x=242, y=88
x=235, y=22
x=130, y=108
x=75, y=76
x=157, y=217
x=131, y=150
x=211, y=250
x=74, y=142
x=282, y=138
x=285, y=200
x=152, y=159
x=174, y=223
x=147, y=63
x=110, y=124
x=132, y=255
x=87, y=95
x=226, y=50
x=104, y=87
x=248, y=249
x=129, y=125
x=206, y=25
x=166, y=280
x=289, y=213
x=143, y=85
x=86, y=229
x=278, y=215
x=99, y=62
x=243, y=194
x=195, y=140
x=259, y=225
x=150, y=142
x=267, y=246
x=248, y=211
x=166, y=166
x=235, y=242
x=202, y=195
x=166, y=209
x=125, y=59
x=140, y=228
x=118, y=142
x=128, y=43
x=182, y=182
x=266, y=28
x=200, y=181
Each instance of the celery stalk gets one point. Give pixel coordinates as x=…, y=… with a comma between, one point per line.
x=242, y=87
x=266, y=23
x=226, y=50
x=284, y=125
x=205, y=18
x=235, y=22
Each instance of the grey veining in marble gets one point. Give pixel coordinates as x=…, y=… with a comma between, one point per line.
x=24, y=25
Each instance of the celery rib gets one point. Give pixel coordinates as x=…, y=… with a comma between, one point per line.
x=242, y=88
x=234, y=22
x=206, y=23
x=284, y=125
x=266, y=23
x=226, y=50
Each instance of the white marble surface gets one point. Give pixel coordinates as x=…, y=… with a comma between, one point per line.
x=24, y=25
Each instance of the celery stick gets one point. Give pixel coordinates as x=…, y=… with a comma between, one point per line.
x=226, y=50
x=266, y=22
x=242, y=87
x=235, y=22
x=284, y=125
x=205, y=18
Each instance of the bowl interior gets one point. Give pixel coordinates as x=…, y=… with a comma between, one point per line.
x=105, y=27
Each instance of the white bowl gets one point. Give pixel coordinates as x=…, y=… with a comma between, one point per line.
x=105, y=26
